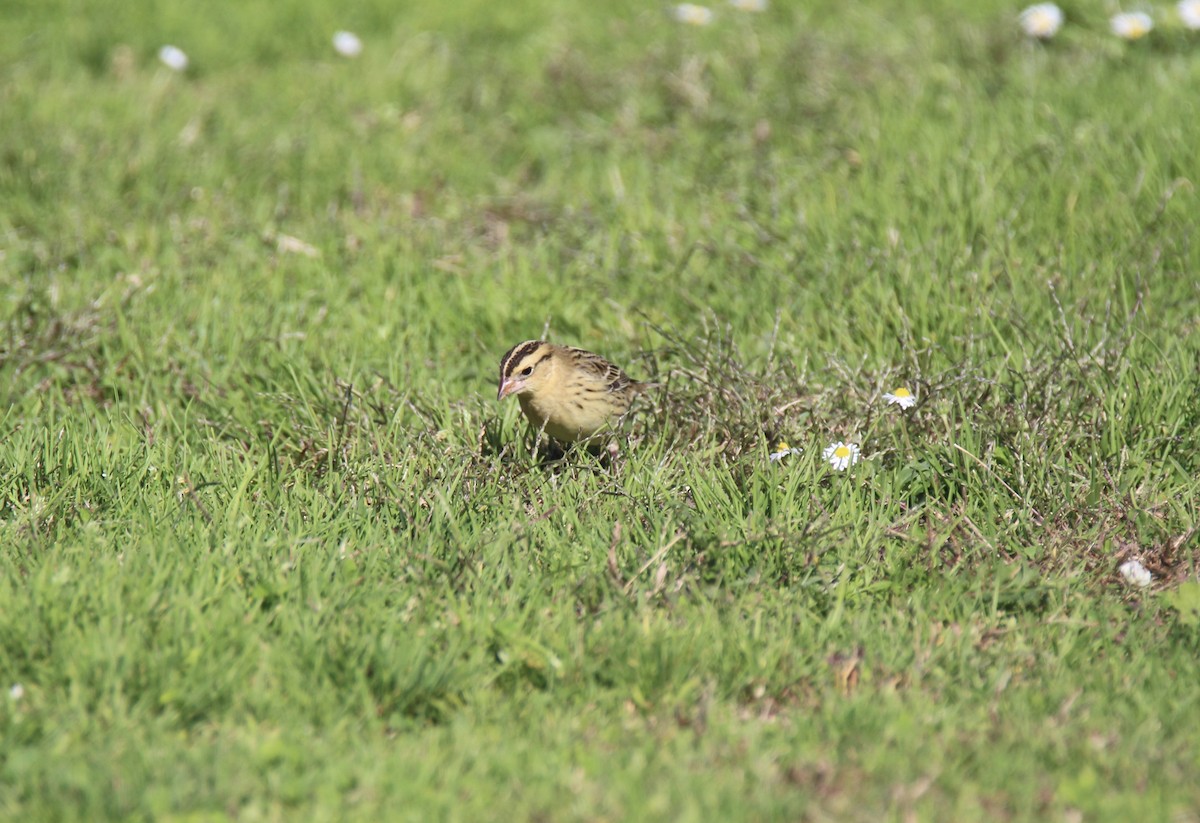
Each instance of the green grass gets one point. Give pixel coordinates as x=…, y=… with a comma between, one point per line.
x=272, y=551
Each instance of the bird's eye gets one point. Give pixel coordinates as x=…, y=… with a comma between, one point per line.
x=528, y=370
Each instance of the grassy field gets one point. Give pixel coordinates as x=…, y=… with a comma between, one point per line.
x=271, y=550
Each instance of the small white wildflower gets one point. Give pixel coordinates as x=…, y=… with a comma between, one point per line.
x=1132, y=25
x=842, y=455
x=294, y=245
x=749, y=5
x=173, y=58
x=1135, y=574
x=1189, y=13
x=347, y=44
x=692, y=14
x=16, y=691
x=901, y=397
x=1041, y=20
x=782, y=450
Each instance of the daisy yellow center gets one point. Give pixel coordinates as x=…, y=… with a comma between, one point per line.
x=902, y=392
x=841, y=452
x=1136, y=30
x=782, y=446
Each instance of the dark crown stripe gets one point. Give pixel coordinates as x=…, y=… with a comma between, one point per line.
x=515, y=355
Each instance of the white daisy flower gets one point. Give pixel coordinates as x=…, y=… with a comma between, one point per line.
x=842, y=455
x=173, y=58
x=782, y=450
x=347, y=44
x=1041, y=20
x=16, y=691
x=1135, y=574
x=692, y=14
x=901, y=397
x=1189, y=13
x=1132, y=25
x=749, y=5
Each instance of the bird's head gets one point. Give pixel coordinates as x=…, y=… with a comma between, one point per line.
x=525, y=368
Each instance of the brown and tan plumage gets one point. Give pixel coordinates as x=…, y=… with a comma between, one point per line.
x=568, y=393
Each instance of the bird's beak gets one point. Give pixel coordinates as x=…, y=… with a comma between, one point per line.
x=507, y=387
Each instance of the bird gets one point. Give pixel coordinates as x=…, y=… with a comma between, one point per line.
x=570, y=394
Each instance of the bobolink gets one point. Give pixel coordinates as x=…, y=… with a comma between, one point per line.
x=568, y=393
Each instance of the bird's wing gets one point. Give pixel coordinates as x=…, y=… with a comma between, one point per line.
x=600, y=370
